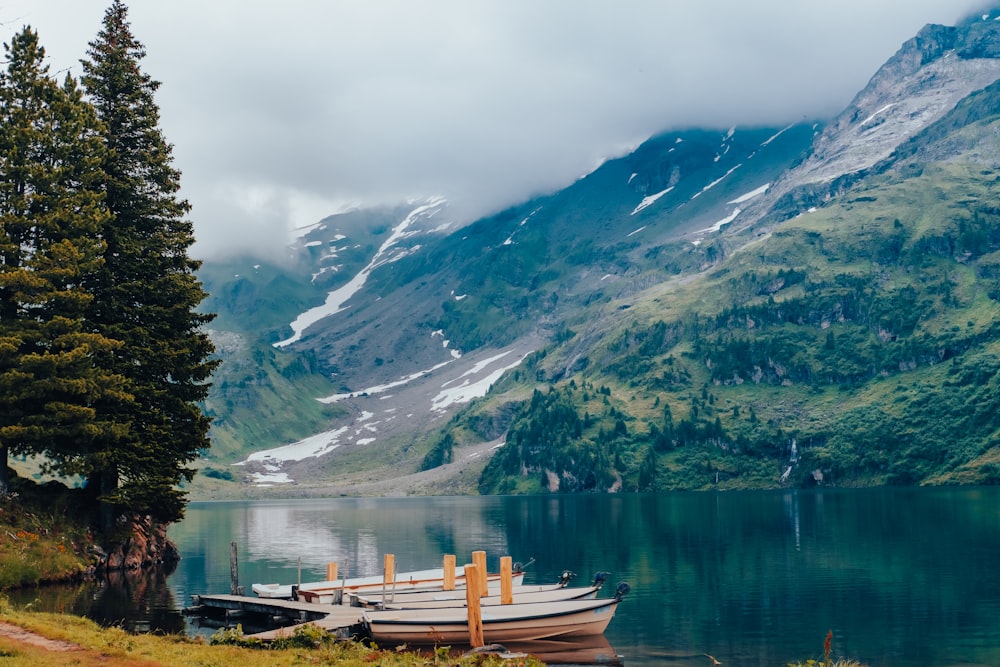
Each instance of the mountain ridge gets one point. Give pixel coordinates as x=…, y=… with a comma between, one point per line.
x=554, y=282
x=915, y=87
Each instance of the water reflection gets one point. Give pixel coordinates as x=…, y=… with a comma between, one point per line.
x=134, y=601
x=582, y=651
x=352, y=531
x=903, y=577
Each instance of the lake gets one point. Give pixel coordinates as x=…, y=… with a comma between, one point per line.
x=903, y=577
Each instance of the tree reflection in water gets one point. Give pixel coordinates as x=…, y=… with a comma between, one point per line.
x=138, y=601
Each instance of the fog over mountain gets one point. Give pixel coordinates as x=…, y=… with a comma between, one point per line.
x=282, y=114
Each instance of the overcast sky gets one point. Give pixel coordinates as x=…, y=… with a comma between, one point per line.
x=283, y=112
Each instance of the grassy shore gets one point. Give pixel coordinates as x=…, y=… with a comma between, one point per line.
x=36, y=639
x=42, y=538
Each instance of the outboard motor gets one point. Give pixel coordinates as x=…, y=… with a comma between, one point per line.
x=518, y=567
x=600, y=578
x=622, y=590
x=565, y=578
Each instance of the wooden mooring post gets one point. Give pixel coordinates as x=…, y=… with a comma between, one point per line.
x=449, y=573
x=479, y=560
x=234, y=571
x=388, y=575
x=472, y=595
x=506, y=580
x=331, y=571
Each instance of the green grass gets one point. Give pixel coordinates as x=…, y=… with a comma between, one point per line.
x=113, y=647
x=42, y=537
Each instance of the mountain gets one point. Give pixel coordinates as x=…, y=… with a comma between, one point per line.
x=732, y=308
x=924, y=80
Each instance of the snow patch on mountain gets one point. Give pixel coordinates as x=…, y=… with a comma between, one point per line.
x=382, y=388
x=336, y=299
x=472, y=386
x=650, y=200
x=776, y=135
x=315, y=445
x=719, y=225
x=877, y=112
x=716, y=182
x=278, y=465
x=750, y=195
x=510, y=239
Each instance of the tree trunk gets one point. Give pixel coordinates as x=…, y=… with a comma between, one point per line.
x=4, y=477
x=109, y=511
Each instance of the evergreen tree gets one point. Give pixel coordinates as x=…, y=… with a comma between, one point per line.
x=51, y=213
x=148, y=293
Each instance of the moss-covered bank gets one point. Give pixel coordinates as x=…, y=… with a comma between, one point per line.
x=47, y=536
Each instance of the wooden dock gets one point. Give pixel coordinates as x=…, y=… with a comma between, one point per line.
x=340, y=621
x=275, y=617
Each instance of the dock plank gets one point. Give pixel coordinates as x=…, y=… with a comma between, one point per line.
x=261, y=604
x=336, y=623
x=335, y=619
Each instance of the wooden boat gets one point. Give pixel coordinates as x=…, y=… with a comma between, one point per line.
x=324, y=592
x=456, y=598
x=565, y=619
x=445, y=599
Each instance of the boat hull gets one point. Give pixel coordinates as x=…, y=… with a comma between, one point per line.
x=565, y=619
x=444, y=600
x=372, y=600
x=325, y=592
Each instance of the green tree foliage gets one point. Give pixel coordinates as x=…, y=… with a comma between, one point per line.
x=51, y=216
x=441, y=453
x=147, y=293
x=549, y=440
x=867, y=336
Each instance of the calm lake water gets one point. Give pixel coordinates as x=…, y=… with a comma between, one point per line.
x=903, y=577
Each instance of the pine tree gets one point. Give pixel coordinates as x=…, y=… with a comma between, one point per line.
x=51, y=213
x=148, y=293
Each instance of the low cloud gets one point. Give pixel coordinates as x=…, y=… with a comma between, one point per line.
x=282, y=114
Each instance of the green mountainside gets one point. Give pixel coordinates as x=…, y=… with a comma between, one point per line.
x=742, y=308
x=487, y=284
x=262, y=397
x=856, y=344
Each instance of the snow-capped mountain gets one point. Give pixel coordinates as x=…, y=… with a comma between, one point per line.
x=384, y=323
x=924, y=80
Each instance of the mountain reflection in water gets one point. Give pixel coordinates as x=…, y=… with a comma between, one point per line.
x=904, y=577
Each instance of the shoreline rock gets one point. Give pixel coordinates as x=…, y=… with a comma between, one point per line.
x=146, y=545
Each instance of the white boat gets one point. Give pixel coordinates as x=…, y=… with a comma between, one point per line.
x=325, y=592
x=456, y=598
x=564, y=619
x=444, y=599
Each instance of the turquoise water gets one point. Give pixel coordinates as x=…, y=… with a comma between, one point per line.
x=903, y=577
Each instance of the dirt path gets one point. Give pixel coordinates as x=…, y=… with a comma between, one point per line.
x=28, y=647
x=19, y=634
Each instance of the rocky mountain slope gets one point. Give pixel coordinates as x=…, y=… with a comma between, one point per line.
x=924, y=80
x=645, y=313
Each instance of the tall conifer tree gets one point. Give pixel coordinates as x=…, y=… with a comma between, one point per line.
x=51, y=215
x=148, y=293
